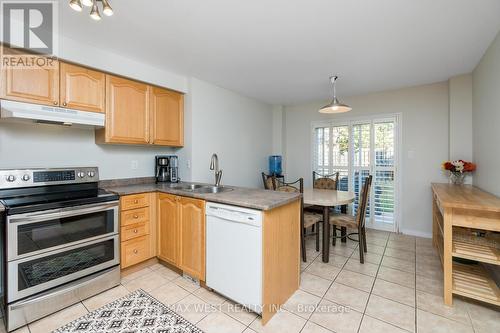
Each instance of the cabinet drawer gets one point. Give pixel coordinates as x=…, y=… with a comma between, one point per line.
x=134, y=216
x=134, y=231
x=134, y=251
x=134, y=201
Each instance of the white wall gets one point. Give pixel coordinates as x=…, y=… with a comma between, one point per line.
x=237, y=128
x=91, y=56
x=424, y=112
x=486, y=119
x=277, y=129
x=461, y=117
x=30, y=145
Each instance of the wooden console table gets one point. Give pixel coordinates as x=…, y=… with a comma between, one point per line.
x=465, y=206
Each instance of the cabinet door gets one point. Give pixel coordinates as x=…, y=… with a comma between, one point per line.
x=192, y=247
x=82, y=88
x=127, y=111
x=167, y=113
x=39, y=85
x=168, y=228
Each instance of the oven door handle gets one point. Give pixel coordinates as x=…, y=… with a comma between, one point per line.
x=61, y=213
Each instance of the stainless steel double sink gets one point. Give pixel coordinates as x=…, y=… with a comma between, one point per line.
x=197, y=188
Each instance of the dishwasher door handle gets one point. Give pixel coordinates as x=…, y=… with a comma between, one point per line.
x=250, y=223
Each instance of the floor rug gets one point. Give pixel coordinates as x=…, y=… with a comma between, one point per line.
x=138, y=312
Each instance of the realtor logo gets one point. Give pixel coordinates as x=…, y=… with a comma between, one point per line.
x=30, y=25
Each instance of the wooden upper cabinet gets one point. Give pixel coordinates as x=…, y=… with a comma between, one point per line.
x=192, y=241
x=82, y=88
x=167, y=115
x=168, y=228
x=39, y=85
x=127, y=112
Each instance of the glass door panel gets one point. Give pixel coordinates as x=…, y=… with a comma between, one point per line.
x=384, y=169
x=42, y=270
x=33, y=237
x=361, y=145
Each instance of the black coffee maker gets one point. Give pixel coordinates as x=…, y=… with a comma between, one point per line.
x=166, y=169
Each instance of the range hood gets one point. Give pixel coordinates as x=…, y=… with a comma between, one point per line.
x=26, y=112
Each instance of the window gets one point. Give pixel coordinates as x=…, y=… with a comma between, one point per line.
x=332, y=152
x=357, y=149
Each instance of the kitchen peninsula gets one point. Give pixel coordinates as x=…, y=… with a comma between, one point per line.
x=167, y=221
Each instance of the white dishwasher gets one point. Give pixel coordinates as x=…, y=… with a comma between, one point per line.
x=234, y=253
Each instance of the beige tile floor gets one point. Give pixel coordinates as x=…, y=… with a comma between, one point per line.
x=398, y=289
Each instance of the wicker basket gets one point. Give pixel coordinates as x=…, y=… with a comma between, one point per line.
x=477, y=236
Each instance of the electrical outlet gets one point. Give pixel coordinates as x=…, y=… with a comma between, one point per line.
x=134, y=165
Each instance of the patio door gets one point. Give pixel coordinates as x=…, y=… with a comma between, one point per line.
x=374, y=152
x=370, y=147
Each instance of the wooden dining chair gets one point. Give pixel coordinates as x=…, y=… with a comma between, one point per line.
x=322, y=182
x=307, y=219
x=269, y=181
x=358, y=221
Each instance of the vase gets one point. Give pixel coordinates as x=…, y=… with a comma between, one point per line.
x=457, y=178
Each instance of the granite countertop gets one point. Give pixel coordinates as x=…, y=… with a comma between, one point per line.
x=237, y=196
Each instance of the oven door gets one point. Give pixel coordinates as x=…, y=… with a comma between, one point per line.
x=38, y=273
x=43, y=231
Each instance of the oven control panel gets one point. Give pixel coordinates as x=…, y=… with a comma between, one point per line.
x=40, y=177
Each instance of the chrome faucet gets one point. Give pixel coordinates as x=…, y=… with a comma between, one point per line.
x=214, y=165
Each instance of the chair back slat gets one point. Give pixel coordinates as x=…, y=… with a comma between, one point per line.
x=363, y=201
x=326, y=182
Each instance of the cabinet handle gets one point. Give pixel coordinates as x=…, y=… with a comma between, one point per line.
x=135, y=251
x=64, y=103
x=136, y=216
x=55, y=103
x=135, y=231
x=136, y=201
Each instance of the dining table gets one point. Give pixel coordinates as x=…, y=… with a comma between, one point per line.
x=327, y=199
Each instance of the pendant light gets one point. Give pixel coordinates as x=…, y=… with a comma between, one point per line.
x=94, y=13
x=76, y=5
x=106, y=8
x=335, y=106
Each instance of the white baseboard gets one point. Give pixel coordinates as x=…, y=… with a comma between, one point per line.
x=416, y=233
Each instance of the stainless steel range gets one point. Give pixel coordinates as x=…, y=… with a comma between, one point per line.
x=60, y=241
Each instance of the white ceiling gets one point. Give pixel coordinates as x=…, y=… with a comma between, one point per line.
x=283, y=51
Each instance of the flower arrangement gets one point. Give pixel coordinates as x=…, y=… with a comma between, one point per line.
x=458, y=170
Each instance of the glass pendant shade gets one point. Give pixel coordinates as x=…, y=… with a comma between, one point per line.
x=76, y=5
x=87, y=3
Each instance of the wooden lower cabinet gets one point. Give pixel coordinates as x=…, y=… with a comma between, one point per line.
x=135, y=250
x=192, y=237
x=168, y=228
x=181, y=233
x=137, y=228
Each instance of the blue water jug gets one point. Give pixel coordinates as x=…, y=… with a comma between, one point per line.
x=275, y=165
